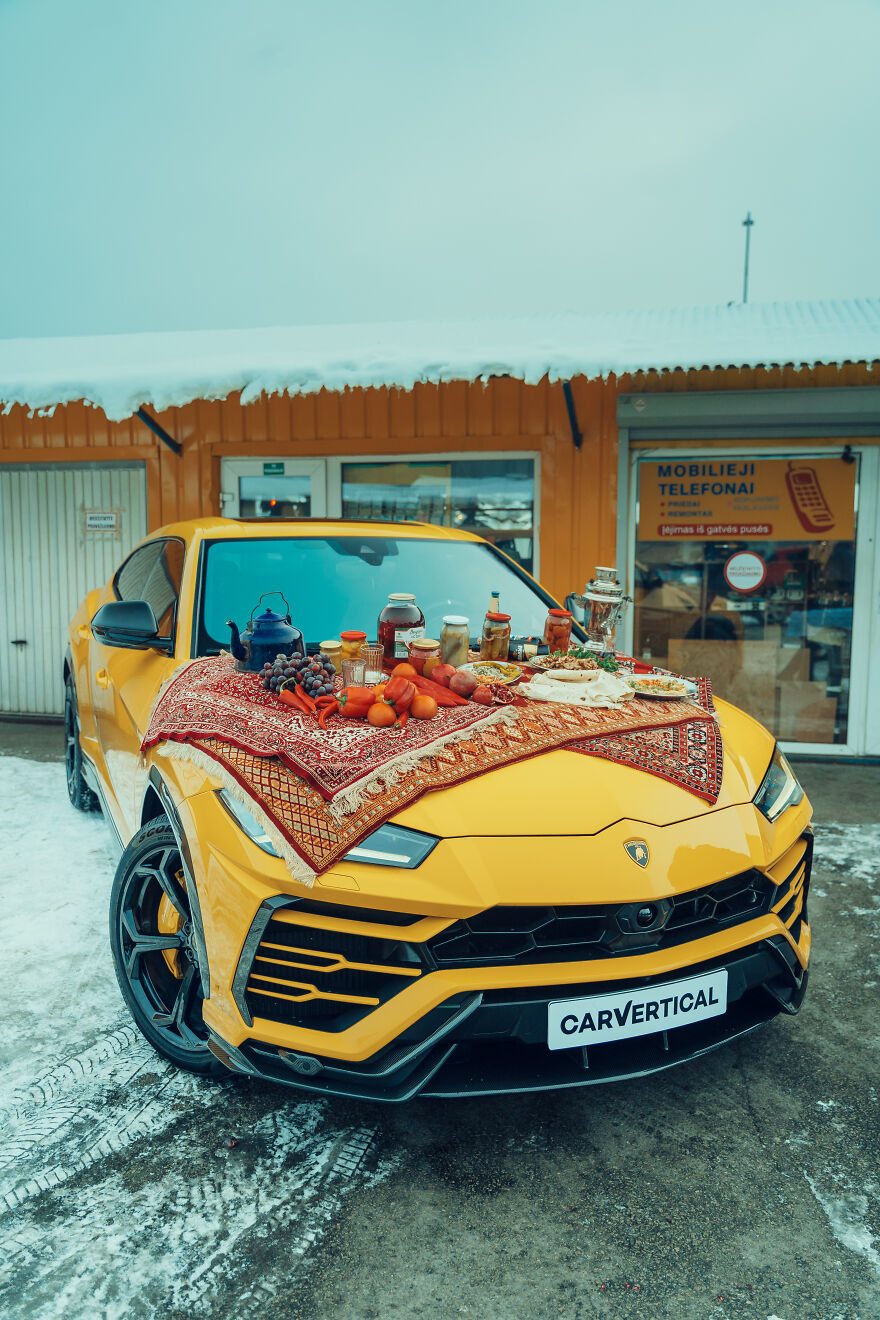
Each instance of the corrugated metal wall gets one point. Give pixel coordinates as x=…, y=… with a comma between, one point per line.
x=50, y=561
x=578, y=514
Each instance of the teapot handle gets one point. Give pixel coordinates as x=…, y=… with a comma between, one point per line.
x=263, y=597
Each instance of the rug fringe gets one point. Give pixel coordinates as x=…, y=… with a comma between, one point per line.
x=300, y=871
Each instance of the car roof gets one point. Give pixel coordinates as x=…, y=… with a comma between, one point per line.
x=234, y=529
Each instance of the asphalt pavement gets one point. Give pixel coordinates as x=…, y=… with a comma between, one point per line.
x=745, y=1184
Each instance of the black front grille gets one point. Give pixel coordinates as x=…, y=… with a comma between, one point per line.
x=326, y=979
x=574, y=933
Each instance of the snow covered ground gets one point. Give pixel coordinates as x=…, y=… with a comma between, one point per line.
x=744, y=1184
x=118, y=1194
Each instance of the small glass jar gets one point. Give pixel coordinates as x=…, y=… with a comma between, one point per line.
x=421, y=650
x=455, y=640
x=557, y=630
x=400, y=623
x=333, y=652
x=495, y=640
x=351, y=644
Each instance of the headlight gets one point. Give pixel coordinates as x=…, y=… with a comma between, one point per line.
x=779, y=789
x=392, y=845
x=248, y=822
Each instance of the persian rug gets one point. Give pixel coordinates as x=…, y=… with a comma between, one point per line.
x=210, y=702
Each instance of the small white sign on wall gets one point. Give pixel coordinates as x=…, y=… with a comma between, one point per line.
x=102, y=520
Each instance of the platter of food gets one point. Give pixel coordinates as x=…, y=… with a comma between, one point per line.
x=572, y=661
x=663, y=686
x=493, y=671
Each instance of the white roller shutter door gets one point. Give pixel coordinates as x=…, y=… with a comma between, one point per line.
x=64, y=529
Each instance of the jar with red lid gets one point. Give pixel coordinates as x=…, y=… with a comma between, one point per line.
x=400, y=623
x=421, y=650
x=351, y=644
x=495, y=640
x=557, y=630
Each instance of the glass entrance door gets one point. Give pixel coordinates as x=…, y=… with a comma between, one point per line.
x=273, y=488
x=745, y=570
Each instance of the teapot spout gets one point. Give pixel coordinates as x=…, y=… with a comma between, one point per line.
x=236, y=647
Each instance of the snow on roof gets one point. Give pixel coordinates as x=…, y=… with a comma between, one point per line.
x=119, y=373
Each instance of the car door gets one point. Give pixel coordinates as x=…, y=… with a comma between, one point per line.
x=125, y=682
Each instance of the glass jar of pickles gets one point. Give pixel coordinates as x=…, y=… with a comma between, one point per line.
x=495, y=640
x=333, y=651
x=455, y=640
x=351, y=644
x=421, y=650
x=557, y=630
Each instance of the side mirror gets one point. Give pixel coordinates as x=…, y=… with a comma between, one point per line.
x=130, y=624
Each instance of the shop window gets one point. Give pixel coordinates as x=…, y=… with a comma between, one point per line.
x=275, y=497
x=744, y=570
x=494, y=498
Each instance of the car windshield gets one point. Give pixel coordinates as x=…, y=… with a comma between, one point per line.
x=343, y=582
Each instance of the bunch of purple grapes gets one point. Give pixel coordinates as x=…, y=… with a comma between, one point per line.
x=313, y=673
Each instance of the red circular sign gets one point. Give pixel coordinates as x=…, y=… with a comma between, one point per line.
x=745, y=571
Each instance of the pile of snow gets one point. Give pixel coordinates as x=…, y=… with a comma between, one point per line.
x=122, y=372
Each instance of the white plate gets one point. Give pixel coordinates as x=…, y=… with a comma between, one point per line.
x=498, y=677
x=541, y=662
x=635, y=681
x=628, y=1013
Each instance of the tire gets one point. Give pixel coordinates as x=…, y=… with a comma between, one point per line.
x=166, y=1004
x=81, y=796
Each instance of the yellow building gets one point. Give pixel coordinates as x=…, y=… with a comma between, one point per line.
x=725, y=459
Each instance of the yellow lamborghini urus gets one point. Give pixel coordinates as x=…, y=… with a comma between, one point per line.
x=555, y=922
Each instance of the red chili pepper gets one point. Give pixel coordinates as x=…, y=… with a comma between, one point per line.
x=291, y=697
x=327, y=711
x=400, y=723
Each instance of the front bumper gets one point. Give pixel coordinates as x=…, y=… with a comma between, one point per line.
x=341, y=994
x=494, y=1042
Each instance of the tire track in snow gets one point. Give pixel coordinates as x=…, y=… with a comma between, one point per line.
x=186, y=1225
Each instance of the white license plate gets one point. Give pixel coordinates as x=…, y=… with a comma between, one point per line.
x=627, y=1013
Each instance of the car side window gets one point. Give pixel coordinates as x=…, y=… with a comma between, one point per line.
x=153, y=574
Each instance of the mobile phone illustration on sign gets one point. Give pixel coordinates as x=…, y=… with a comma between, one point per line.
x=809, y=503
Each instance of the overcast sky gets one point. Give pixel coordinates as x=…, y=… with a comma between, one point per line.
x=188, y=164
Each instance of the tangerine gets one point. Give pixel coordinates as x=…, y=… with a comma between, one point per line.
x=381, y=715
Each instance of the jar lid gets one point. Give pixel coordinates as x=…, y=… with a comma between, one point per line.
x=424, y=644
x=401, y=595
x=499, y=618
x=354, y=636
x=457, y=620
x=331, y=646
x=560, y=614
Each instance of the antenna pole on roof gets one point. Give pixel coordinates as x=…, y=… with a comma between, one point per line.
x=748, y=222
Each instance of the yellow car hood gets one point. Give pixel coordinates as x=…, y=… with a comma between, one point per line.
x=564, y=792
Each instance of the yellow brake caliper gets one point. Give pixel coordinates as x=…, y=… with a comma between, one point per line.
x=169, y=922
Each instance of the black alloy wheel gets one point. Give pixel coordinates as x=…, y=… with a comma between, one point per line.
x=151, y=936
x=81, y=796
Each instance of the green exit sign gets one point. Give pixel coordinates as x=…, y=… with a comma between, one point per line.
x=273, y=469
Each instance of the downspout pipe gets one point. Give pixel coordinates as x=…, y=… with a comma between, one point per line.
x=572, y=414
x=153, y=425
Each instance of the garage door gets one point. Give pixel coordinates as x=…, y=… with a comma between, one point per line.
x=63, y=530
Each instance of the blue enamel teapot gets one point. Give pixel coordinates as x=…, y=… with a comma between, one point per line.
x=266, y=636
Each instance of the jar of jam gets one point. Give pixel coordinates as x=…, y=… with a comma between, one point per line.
x=455, y=640
x=495, y=640
x=351, y=644
x=421, y=650
x=400, y=623
x=557, y=630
